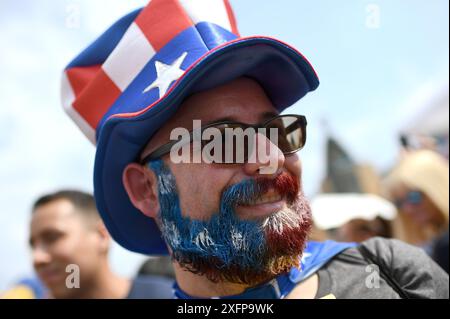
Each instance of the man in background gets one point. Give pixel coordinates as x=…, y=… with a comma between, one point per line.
x=70, y=247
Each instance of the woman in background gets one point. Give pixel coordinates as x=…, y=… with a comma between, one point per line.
x=419, y=187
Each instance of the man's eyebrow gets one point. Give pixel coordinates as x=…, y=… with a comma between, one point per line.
x=264, y=117
x=223, y=119
x=268, y=115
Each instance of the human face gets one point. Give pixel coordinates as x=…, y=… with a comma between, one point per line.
x=242, y=100
x=59, y=236
x=202, y=201
x=359, y=230
x=416, y=205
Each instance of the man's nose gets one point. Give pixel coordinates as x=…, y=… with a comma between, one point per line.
x=40, y=256
x=265, y=157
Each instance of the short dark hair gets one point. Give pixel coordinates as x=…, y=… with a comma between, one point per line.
x=84, y=203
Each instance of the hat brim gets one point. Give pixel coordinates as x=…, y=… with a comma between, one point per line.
x=285, y=75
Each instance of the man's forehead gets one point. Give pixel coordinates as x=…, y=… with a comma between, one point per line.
x=57, y=214
x=241, y=100
x=54, y=211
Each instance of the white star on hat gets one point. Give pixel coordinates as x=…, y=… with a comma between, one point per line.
x=166, y=74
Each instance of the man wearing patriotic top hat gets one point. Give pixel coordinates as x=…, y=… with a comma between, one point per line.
x=235, y=226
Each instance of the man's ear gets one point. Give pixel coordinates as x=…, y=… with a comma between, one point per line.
x=105, y=238
x=142, y=188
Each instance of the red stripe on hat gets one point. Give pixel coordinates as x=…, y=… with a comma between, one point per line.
x=79, y=77
x=231, y=17
x=95, y=100
x=161, y=21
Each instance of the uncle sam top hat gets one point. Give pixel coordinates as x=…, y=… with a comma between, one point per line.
x=123, y=87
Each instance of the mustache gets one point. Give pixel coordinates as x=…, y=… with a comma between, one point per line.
x=247, y=191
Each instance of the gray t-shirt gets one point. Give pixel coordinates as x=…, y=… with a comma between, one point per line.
x=375, y=272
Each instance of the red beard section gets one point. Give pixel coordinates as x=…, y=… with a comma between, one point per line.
x=291, y=241
x=285, y=249
x=284, y=184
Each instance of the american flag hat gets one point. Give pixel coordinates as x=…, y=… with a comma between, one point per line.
x=124, y=86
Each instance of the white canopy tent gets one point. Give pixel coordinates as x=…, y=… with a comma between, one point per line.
x=334, y=210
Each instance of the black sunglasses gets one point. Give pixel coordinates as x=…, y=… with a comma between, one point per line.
x=291, y=137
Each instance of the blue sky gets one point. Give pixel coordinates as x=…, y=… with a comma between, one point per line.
x=374, y=79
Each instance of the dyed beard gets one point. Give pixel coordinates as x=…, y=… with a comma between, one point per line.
x=225, y=248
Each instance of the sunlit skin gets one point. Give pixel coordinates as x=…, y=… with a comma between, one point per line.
x=59, y=236
x=423, y=213
x=200, y=185
x=356, y=230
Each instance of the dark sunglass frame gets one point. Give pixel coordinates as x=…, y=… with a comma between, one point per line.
x=164, y=149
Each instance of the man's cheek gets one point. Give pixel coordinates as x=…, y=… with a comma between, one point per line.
x=203, y=191
x=294, y=165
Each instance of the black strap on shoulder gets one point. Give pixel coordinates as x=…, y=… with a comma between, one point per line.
x=372, y=259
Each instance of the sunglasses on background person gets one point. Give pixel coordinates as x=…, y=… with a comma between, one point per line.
x=412, y=197
x=291, y=137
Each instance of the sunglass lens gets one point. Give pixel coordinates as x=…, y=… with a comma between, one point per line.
x=291, y=133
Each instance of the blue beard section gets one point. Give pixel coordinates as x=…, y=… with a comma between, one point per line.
x=223, y=241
